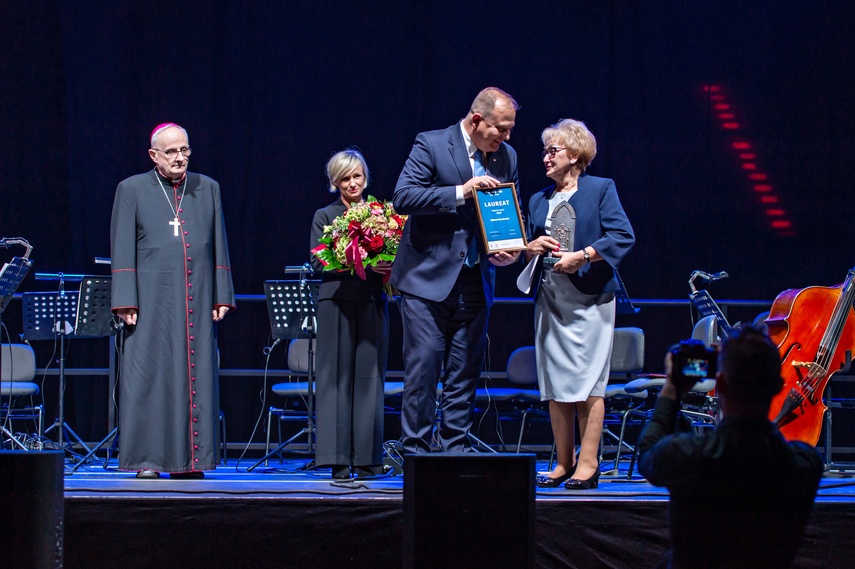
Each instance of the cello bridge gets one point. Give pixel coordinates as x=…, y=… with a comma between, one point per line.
x=811, y=366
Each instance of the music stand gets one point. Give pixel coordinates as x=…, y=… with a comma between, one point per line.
x=47, y=315
x=292, y=306
x=11, y=276
x=94, y=320
x=94, y=316
x=703, y=301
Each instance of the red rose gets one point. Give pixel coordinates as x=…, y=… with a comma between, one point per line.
x=375, y=244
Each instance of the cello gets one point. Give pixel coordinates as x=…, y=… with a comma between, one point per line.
x=812, y=328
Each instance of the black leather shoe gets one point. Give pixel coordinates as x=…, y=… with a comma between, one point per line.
x=546, y=481
x=592, y=482
x=148, y=474
x=340, y=472
x=368, y=471
x=194, y=475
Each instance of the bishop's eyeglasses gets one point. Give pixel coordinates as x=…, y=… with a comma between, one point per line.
x=173, y=152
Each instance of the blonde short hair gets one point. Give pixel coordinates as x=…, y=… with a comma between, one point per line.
x=575, y=137
x=343, y=163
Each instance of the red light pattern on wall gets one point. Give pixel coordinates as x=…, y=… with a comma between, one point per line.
x=776, y=217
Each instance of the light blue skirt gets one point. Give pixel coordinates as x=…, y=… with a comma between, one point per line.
x=573, y=340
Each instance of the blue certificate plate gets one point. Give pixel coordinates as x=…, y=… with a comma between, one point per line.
x=500, y=218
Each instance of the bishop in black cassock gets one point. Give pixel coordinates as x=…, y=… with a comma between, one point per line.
x=172, y=281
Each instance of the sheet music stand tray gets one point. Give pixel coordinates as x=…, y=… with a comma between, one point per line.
x=95, y=320
x=94, y=317
x=289, y=305
x=48, y=314
x=11, y=276
x=292, y=308
x=706, y=306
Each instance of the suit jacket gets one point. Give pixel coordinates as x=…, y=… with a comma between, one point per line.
x=601, y=223
x=335, y=285
x=437, y=234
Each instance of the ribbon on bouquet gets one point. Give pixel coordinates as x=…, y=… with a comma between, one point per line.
x=352, y=252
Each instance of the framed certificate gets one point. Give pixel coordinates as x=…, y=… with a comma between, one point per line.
x=500, y=218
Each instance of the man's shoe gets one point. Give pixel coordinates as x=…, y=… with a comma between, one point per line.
x=148, y=474
x=194, y=475
x=369, y=472
x=340, y=472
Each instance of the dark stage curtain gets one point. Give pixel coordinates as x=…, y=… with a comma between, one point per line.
x=268, y=90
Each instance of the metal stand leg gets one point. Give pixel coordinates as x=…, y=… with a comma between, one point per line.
x=63, y=430
x=481, y=443
x=115, y=367
x=108, y=439
x=280, y=448
x=13, y=438
x=29, y=413
x=224, y=442
x=309, y=429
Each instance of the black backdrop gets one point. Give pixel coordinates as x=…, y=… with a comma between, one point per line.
x=268, y=90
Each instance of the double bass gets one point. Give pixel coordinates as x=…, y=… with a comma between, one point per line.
x=813, y=329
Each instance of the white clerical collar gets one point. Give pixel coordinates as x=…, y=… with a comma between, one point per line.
x=170, y=181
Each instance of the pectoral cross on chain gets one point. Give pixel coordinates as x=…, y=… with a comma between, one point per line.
x=175, y=225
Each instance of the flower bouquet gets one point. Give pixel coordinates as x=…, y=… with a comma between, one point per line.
x=365, y=235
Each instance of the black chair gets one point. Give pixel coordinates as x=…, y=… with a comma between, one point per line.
x=17, y=371
x=622, y=407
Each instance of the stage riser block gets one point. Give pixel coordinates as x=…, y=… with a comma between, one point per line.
x=469, y=510
x=31, y=509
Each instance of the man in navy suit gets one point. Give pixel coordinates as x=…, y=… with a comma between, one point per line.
x=445, y=277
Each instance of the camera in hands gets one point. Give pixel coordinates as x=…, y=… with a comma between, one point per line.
x=692, y=359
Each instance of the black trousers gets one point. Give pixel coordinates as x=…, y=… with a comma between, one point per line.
x=351, y=357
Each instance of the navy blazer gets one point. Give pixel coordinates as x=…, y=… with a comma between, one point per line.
x=601, y=224
x=437, y=234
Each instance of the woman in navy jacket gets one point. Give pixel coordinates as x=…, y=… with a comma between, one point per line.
x=575, y=298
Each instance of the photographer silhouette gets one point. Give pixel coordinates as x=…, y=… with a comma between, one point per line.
x=753, y=488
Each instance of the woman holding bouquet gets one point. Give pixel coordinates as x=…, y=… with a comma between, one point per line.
x=352, y=343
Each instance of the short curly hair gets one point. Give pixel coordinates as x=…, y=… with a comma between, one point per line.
x=575, y=137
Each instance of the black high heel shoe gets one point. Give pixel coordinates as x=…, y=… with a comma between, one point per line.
x=545, y=481
x=592, y=482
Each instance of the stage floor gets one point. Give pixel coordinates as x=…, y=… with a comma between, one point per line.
x=284, y=515
x=291, y=479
